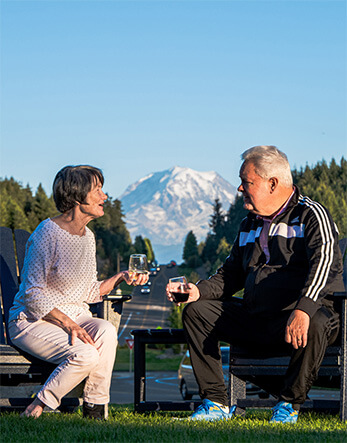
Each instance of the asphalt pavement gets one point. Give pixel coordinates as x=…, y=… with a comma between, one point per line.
x=147, y=311
x=161, y=386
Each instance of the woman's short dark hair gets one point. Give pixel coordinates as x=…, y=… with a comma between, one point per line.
x=72, y=184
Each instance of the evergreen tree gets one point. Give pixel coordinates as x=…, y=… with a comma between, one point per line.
x=43, y=207
x=190, y=251
x=327, y=185
x=12, y=215
x=209, y=253
x=217, y=220
x=217, y=225
x=223, y=251
x=113, y=242
x=140, y=245
x=234, y=217
x=149, y=250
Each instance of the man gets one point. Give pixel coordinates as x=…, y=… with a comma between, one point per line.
x=287, y=259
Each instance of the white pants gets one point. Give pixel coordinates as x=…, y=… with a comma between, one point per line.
x=75, y=363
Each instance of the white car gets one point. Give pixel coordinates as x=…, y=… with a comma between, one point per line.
x=145, y=290
x=189, y=387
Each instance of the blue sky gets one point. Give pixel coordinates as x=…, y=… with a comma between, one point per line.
x=140, y=86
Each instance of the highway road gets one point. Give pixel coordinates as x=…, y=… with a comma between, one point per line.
x=147, y=310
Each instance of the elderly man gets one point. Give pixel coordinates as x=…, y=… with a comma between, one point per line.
x=287, y=260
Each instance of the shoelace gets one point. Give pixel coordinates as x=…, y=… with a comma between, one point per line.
x=281, y=411
x=204, y=407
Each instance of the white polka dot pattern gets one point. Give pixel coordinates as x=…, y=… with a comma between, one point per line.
x=59, y=272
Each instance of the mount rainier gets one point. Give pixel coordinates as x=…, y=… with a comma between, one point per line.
x=164, y=206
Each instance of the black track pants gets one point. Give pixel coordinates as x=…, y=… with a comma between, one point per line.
x=206, y=322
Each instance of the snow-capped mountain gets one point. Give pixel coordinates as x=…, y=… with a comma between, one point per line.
x=164, y=206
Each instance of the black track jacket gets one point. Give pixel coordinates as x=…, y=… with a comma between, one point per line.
x=304, y=269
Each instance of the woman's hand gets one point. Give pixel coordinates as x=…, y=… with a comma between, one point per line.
x=134, y=279
x=109, y=284
x=69, y=326
x=194, y=294
x=76, y=331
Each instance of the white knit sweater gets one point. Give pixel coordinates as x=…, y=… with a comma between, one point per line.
x=59, y=272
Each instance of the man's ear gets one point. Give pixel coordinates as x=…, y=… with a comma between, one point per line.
x=273, y=181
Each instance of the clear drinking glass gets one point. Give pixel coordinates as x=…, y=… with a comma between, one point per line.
x=137, y=265
x=179, y=289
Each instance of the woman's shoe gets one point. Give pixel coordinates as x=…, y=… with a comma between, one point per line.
x=96, y=412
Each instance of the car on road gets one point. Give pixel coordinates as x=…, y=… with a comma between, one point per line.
x=171, y=264
x=189, y=387
x=145, y=290
x=153, y=271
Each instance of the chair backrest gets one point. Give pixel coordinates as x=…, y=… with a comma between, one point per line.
x=10, y=271
x=21, y=237
x=8, y=275
x=343, y=248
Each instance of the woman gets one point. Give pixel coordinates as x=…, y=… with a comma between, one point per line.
x=50, y=318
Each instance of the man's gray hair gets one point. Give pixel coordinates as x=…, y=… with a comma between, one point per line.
x=269, y=162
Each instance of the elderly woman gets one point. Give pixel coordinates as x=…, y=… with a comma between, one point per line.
x=50, y=318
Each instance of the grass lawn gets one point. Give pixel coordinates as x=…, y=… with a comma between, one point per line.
x=126, y=426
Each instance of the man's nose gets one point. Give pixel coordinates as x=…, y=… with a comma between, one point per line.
x=240, y=188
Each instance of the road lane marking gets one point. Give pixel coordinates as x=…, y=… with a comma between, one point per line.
x=125, y=325
x=164, y=382
x=149, y=306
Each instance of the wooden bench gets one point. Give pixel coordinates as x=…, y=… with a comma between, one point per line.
x=22, y=375
x=247, y=365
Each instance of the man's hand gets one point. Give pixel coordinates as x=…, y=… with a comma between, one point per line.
x=194, y=294
x=297, y=328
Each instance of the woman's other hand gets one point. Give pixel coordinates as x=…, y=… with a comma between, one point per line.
x=69, y=326
x=76, y=331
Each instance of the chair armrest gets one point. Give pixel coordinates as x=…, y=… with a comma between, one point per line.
x=340, y=294
x=117, y=298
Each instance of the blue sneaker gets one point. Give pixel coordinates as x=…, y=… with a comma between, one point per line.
x=211, y=411
x=283, y=412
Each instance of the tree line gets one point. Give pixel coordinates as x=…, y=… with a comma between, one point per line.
x=324, y=183
x=20, y=208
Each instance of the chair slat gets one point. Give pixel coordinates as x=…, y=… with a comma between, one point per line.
x=21, y=237
x=8, y=271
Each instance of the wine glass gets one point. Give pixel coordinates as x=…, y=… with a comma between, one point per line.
x=179, y=289
x=137, y=265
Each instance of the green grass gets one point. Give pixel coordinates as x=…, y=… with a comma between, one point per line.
x=126, y=426
x=153, y=362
